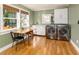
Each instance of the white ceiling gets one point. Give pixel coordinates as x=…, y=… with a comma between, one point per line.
x=38, y=7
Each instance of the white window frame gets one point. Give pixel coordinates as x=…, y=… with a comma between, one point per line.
x=2, y=32
x=46, y=17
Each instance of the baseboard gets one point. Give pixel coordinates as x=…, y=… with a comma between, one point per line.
x=76, y=48
x=6, y=47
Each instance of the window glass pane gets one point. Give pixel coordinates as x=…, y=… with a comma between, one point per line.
x=9, y=17
x=9, y=14
x=9, y=23
x=46, y=19
x=24, y=20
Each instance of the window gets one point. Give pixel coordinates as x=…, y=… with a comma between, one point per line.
x=46, y=18
x=9, y=17
x=12, y=18
x=9, y=23
x=24, y=19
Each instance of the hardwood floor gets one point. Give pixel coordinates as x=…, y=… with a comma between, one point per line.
x=42, y=46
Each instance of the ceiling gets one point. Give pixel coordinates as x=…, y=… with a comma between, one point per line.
x=38, y=7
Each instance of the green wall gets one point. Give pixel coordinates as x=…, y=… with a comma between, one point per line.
x=38, y=15
x=6, y=39
x=73, y=20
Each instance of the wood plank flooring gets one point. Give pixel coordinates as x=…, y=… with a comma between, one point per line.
x=42, y=46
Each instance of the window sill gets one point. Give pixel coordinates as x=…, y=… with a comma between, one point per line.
x=2, y=32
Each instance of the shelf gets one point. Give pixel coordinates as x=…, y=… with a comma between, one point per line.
x=8, y=18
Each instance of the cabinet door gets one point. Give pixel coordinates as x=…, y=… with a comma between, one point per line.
x=39, y=29
x=34, y=29
x=61, y=16
x=42, y=30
